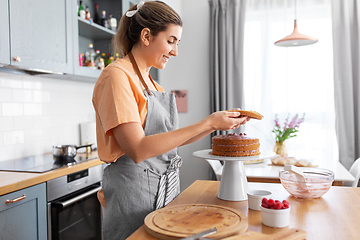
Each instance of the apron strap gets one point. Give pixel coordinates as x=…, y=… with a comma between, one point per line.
x=137, y=71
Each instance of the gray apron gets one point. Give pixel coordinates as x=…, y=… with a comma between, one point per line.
x=134, y=190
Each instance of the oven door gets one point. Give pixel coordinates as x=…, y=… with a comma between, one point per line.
x=76, y=216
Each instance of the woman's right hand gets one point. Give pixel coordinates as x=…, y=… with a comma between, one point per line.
x=225, y=120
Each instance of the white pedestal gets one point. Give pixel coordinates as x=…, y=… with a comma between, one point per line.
x=233, y=184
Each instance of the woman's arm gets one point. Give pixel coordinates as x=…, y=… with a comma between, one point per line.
x=138, y=147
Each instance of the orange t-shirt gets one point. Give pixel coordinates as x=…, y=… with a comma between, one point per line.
x=118, y=98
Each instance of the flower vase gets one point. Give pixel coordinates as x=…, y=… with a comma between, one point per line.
x=281, y=149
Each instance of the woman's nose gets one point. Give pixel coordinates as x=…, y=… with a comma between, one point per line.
x=174, y=51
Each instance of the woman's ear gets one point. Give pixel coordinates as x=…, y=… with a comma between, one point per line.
x=145, y=36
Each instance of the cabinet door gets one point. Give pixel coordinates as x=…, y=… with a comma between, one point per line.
x=4, y=33
x=40, y=33
x=25, y=219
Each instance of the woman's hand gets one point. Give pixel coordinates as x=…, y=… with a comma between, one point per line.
x=225, y=120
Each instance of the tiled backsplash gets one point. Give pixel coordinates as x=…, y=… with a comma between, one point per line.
x=38, y=112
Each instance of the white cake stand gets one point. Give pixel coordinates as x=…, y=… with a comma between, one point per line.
x=233, y=184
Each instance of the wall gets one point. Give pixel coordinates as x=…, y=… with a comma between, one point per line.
x=37, y=113
x=190, y=71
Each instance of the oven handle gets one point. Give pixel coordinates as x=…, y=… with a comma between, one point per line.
x=77, y=198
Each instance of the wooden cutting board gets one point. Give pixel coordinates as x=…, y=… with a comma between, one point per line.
x=185, y=220
x=285, y=234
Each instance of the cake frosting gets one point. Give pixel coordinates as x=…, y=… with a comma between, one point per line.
x=235, y=145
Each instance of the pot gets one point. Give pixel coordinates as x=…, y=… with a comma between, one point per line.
x=67, y=151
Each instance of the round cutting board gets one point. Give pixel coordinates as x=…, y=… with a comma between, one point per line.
x=185, y=220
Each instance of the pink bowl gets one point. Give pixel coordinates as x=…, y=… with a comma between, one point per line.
x=318, y=182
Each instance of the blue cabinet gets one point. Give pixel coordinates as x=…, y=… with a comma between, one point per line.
x=40, y=35
x=25, y=218
x=4, y=33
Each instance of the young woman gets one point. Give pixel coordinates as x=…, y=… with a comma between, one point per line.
x=137, y=122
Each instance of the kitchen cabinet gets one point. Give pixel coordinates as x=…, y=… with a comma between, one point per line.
x=25, y=218
x=4, y=29
x=40, y=35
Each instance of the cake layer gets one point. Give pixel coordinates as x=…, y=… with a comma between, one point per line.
x=231, y=148
x=236, y=153
x=233, y=139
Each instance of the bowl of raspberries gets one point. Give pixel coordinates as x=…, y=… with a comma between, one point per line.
x=275, y=213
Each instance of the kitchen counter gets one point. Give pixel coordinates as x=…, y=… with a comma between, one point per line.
x=336, y=215
x=13, y=181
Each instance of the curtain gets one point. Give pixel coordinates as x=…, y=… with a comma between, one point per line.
x=346, y=23
x=226, y=54
x=294, y=80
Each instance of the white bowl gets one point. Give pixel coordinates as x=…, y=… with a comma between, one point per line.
x=255, y=197
x=278, y=218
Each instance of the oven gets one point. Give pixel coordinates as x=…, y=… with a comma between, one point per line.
x=74, y=211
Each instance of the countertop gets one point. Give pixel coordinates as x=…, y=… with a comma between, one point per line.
x=14, y=181
x=336, y=215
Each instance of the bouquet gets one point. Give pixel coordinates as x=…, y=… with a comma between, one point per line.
x=289, y=129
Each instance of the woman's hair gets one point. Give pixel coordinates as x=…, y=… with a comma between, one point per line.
x=155, y=15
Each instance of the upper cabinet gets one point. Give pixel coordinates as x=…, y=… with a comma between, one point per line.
x=49, y=36
x=4, y=33
x=40, y=35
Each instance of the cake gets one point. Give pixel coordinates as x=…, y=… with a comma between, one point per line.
x=250, y=114
x=235, y=145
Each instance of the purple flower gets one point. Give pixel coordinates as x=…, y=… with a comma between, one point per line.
x=293, y=122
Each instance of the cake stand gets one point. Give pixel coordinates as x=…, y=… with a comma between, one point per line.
x=233, y=183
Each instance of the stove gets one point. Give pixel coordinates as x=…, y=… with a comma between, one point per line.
x=43, y=163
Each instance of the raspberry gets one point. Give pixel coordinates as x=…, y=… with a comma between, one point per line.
x=264, y=200
x=285, y=201
x=277, y=201
x=264, y=205
x=278, y=205
x=271, y=202
x=286, y=205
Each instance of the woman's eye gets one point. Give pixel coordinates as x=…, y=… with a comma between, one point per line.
x=170, y=42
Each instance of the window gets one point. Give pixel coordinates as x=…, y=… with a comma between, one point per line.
x=284, y=81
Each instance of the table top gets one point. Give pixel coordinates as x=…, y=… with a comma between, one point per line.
x=336, y=215
x=266, y=170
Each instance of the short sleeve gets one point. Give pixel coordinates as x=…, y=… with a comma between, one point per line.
x=114, y=99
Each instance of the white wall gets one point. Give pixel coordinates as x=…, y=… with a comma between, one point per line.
x=190, y=71
x=37, y=113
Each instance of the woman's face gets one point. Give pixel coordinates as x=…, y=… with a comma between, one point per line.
x=164, y=45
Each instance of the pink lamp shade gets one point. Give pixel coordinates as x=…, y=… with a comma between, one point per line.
x=295, y=39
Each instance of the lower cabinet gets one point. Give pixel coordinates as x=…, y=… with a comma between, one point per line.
x=25, y=217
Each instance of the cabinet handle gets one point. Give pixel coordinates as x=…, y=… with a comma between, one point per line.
x=17, y=59
x=16, y=199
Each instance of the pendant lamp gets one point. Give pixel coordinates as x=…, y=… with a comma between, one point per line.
x=295, y=39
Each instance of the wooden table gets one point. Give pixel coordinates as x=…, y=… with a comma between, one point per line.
x=267, y=172
x=336, y=215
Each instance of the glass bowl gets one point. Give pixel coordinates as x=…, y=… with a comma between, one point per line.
x=318, y=182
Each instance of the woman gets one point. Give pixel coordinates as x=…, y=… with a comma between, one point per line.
x=136, y=121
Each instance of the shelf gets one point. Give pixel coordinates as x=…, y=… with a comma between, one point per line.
x=94, y=31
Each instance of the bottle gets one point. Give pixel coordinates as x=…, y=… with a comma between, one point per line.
x=104, y=21
x=112, y=23
x=80, y=8
x=81, y=11
x=96, y=15
x=101, y=64
x=87, y=13
x=90, y=56
x=110, y=59
x=97, y=57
